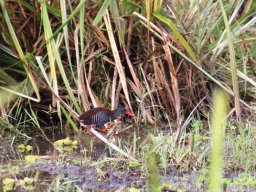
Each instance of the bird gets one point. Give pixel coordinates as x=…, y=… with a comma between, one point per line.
x=99, y=116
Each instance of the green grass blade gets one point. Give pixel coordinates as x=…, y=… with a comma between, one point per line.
x=220, y=106
x=102, y=10
x=77, y=9
x=72, y=123
x=66, y=34
x=53, y=53
x=65, y=28
x=119, y=23
x=232, y=62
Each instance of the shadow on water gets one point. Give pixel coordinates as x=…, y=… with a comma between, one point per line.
x=87, y=167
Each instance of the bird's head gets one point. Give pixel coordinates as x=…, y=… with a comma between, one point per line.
x=124, y=111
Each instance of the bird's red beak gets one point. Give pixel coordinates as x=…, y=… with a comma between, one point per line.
x=130, y=114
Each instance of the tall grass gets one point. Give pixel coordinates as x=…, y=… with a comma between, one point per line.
x=158, y=61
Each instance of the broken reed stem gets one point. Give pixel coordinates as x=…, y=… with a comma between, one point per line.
x=112, y=145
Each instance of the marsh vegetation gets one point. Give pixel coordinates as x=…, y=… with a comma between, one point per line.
x=162, y=59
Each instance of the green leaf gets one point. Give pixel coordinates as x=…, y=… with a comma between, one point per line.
x=102, y=10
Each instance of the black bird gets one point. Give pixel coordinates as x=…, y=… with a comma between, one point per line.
x=100, y=115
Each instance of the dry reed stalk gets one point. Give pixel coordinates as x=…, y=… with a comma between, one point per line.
x=134, y=88
x=133, y=73
x=80, y=74
x=148, y=114
x=92, y=52
x=174, y=82
x=165, y=84
x=137, y=87
x=94, y=99
x=113, y=88
x=116, y=56
x=90, y=71
x=25, y=24
x=129, y=36
x=118, y=90
x=241, y=75
x=157, y=79
x=99, y=35
x=149, y=10
x=112, y=145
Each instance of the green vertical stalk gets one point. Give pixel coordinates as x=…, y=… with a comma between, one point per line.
x=232, y=63
x=220, y=106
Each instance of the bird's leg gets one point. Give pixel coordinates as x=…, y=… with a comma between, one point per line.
x=109, y=125
x=106, y=127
